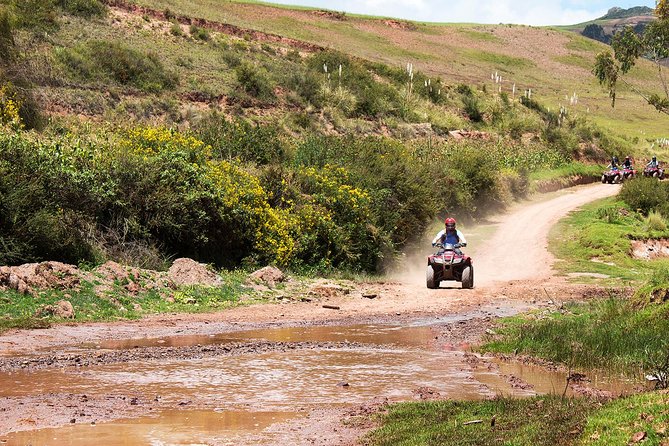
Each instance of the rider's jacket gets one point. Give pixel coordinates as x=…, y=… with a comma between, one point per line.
x=653, y=164
x=449, y=237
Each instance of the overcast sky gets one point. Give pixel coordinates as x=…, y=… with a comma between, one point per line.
x=527, y=12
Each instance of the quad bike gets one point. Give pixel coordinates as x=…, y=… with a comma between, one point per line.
x=628, y=173
x=654, y=172
x=449, y=263
x=611, y=176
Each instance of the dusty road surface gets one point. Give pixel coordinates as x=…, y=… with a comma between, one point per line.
x=288, y=373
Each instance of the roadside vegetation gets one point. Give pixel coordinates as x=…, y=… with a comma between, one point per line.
x=544, y=420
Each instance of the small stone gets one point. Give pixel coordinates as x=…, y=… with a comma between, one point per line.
x=638, y=437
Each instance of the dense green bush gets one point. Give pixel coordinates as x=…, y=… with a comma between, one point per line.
x=101, y=60
x=240, y=139
x=645, y=195
x=254, y=81
x=83, y=8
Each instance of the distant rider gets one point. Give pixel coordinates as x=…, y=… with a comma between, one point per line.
x=614, y=163
x=654, y=163
x=627, y=164
x=450, y=235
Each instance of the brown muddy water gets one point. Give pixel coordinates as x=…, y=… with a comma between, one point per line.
x=246, y=399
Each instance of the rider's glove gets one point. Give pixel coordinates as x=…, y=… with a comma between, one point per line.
x=434, y=244
x=462, y=245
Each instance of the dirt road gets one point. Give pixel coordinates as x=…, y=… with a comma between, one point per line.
x=513, y=272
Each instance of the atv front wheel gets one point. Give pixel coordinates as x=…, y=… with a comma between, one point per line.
x=429, y=275
x=603, y=179
x=468, y=277
x=616, y=179
x=656, y=174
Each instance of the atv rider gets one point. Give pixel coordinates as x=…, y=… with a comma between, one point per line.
x=450, y=235
x=627, y=164
x=653, y=164
x=614, y=163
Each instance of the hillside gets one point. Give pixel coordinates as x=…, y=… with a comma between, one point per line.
x=551, y=62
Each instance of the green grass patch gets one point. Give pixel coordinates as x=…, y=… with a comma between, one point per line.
x=543, y=420
x=578, y=43
x=90, y=305
x=566, y=172
x=546, y=420
x=611, y=334
x=479, y=36
x=497, y=59
x=619, y=420
x=575, y=60
x=597, y=239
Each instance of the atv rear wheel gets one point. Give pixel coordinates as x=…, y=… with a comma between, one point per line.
x=617, y=179
x=468, y=277
x=429, y=275
x=656, y=174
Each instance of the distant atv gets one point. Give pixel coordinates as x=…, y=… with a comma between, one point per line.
x=654, y=172
x=449, y=264
x=612, y=176
x=628, y=173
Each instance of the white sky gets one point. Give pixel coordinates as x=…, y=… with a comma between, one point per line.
x=527, y=12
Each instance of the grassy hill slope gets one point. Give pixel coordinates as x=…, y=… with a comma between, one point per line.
x=553, y=63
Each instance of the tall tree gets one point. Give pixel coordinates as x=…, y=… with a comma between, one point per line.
x=628, y=47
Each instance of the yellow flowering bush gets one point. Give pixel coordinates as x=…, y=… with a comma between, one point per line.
x=10, y=106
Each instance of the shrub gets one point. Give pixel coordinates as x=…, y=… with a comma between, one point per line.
x=655, y=222
x=254, y=82
x=241, y=139
x=176, y=30
x=199, y=33
x=472, y=108
x=83, y=8
x=111, y=60
x=645, y=195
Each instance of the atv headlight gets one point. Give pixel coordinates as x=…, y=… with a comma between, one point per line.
x=438, y=260
x=457, y=260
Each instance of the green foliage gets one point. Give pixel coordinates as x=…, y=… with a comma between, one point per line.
x=645, y=195
x=240, y=139
x=655, y=222
x=199, y=33
x=628, y=47
x=544, y=420
x=83, y=8
x=100, y=60
x=595, y=334
x=254, y=81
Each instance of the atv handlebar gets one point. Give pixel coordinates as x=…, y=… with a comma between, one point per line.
x=456, y=245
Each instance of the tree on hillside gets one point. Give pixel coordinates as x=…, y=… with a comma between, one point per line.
x=628, y=47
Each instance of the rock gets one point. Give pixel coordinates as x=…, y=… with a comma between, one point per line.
x=268, y=275
x=370, y=296
x=638, y=437
x=185, y=272
x=62, y=308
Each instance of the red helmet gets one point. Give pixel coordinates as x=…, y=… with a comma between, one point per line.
x=450, y=223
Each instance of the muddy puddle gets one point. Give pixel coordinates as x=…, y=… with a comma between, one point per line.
x=246, y=398
x=412, y=336
x=165, y=428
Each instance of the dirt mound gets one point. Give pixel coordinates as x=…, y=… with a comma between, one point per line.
x=62, y=308
x=399, y=24
x=650, y=249
x=112, y=271
x=333, y=15
x=184, y=272
x=268, y=275
x=31, y=277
